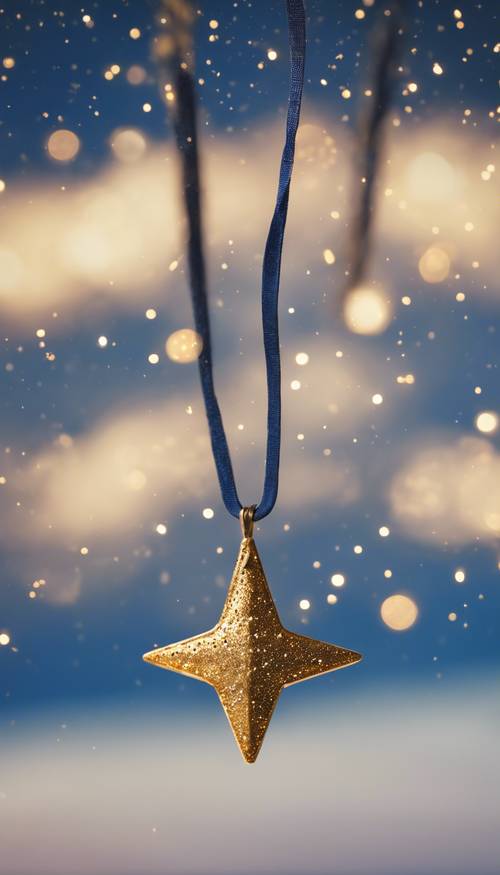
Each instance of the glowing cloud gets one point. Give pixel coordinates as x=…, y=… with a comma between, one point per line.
x=449, y=492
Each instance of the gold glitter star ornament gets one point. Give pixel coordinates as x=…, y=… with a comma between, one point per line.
x=248, y=657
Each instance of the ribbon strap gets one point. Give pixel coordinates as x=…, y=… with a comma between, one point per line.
x=187, y=144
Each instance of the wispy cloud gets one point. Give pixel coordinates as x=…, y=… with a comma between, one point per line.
x=120, y=233
x=140, y=463
x=449, y=490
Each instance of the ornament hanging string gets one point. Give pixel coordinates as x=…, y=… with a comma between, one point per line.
x=178, y=57
x=386, y=51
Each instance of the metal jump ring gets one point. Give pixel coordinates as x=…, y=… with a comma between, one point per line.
x=246, y=520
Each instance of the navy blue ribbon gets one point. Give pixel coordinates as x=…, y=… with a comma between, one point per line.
x=187, y=143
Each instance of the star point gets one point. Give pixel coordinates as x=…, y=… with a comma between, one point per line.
x=249, y=657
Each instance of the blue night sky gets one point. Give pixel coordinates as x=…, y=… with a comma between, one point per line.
x=106, y=468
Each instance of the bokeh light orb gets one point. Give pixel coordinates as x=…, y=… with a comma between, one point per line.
x=367, y=311
x=431, y=178
x=398, y=612
x=136, y=75
x=184, y=346
x=128, y=145
x=434, y=265
x=63, y=145
x=487, y=422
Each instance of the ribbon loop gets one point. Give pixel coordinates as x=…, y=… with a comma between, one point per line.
x=185, y=120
